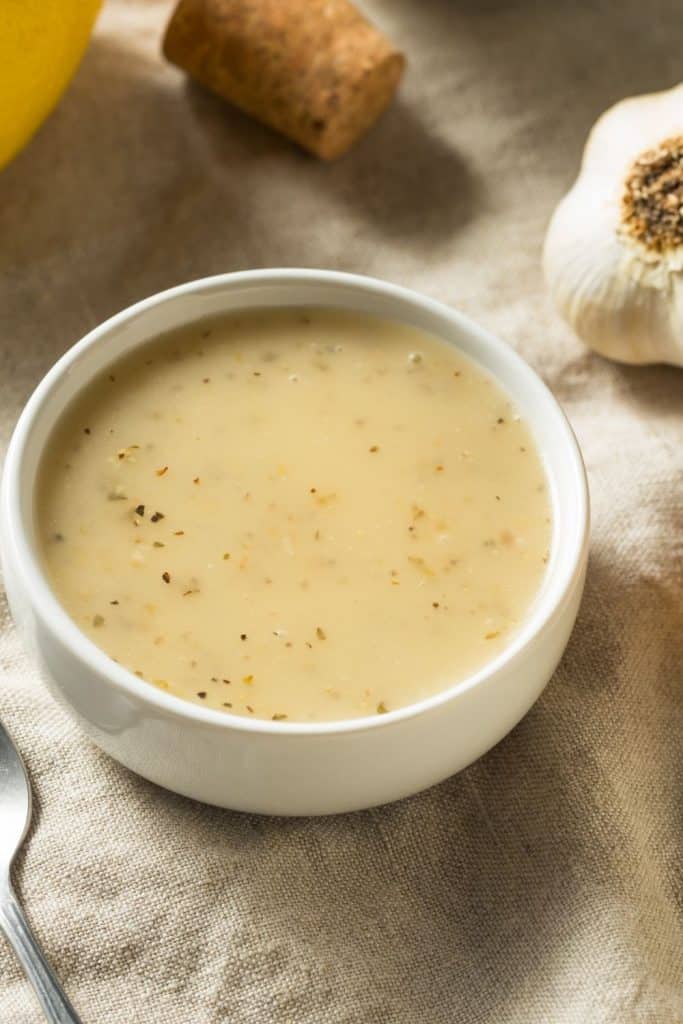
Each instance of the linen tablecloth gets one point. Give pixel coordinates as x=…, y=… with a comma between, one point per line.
x=541, y=885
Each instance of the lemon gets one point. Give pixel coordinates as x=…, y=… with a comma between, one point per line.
x=41, y=44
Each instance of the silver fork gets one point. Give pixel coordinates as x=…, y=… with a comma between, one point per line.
x=15, y=815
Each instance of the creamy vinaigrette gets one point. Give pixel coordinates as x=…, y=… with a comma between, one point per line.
x=299, y=515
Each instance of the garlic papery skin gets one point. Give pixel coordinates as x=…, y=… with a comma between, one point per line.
x=613, y=254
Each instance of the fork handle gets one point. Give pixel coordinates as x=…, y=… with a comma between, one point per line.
x=56, y=1006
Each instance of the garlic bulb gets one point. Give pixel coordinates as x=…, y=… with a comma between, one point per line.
x=613, y=256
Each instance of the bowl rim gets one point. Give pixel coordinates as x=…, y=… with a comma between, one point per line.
x=55, y=617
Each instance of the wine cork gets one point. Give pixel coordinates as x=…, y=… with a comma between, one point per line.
x=316, y=70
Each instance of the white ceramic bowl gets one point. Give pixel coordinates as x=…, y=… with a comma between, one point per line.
x=279, y=767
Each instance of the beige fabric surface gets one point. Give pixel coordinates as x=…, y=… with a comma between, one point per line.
x=544, y=883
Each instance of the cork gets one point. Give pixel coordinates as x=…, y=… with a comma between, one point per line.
x=315, y=70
